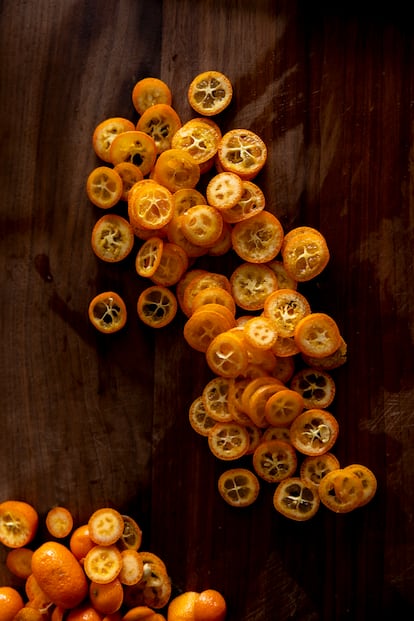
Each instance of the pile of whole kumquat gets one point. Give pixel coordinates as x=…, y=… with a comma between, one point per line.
x=93, y=572
x=272, y=356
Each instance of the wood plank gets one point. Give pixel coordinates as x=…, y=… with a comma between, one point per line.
x=88, y=420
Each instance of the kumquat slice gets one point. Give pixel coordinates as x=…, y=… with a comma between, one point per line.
x=105, y=526
x=251, y=284
x=59, y=522
x=157, y=306
x=274, y=460
x=136, y=147
x=216, y=399
x=149, y=256
x=228, y=441
x=200, y=138
x=161, y=122
x=315, y=467
x=296, y=500
x=130, y=175
x=314, y=432
x=112, y=238
x=150, y=91
x=104, y=187
x=150, y=205
x=260, y=332
x=258, y=239
x=176, y=169
x=226, y=355
x=283, y=407
x=199, y=281
x=132, y=569
x=202, y=225
x=105, y=132
x=286, y=307
x=214, y=295
x=209, y=93
x=239, y=487
x=328, y=363
x=107, y=312
x=224, y=190
x=204, y=325
x=103, y=563
x=185, y=198
x=172, y=266
x=199, y=418
x=131, y=537
x=317, y=335
x=305, y=254
x=341, y=490
x=251, y=202
x=243, y=152
x=368, y=480
x=19, y=562
x=153, y=590
x=317, y=388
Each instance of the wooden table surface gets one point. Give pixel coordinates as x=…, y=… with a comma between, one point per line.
x=90, y=420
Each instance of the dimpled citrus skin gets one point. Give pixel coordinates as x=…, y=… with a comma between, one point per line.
x=181, y=608
x=59, y=574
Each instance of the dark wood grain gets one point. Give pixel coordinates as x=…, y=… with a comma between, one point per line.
x=88, y=420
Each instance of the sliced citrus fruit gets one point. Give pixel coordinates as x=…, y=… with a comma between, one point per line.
x=296, y=500
x=209, y=93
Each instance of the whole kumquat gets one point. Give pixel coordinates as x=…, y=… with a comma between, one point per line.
x=10, y=603
x=59, y=574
